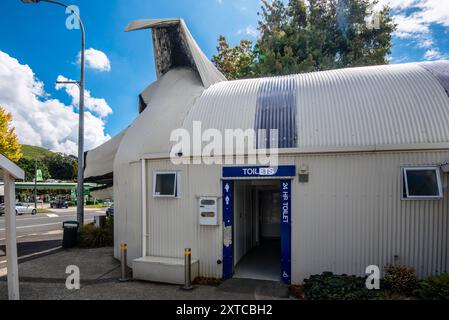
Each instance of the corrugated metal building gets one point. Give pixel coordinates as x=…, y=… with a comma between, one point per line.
x=361, y=178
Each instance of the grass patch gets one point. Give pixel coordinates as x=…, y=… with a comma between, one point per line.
x=96, y=206
x=43, y=211
x=38, y=153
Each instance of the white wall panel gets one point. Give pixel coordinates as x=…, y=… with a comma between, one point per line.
x=350, y=215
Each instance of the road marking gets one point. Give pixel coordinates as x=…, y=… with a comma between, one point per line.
x=52, y=215
x=36, y=225
x=35, y=218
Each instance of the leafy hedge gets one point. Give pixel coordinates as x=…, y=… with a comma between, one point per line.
x=329, y=286
x=434, y=288
x=400, y=279
x=91, y=236
x=399, y=283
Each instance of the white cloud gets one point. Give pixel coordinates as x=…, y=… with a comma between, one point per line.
x=97, y=60
x=98, y=106
x=434, y=54
x=249, y=31
x=415, y=19
x=38, y=119
x=410, y=25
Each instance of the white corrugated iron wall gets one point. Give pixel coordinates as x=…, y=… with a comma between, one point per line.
x=128, y=210
x=350, y=215
x=173, y=224
x=398, y=104
x=381, y=105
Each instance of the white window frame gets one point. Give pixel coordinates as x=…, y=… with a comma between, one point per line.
x=436, y=169
x=177, y=184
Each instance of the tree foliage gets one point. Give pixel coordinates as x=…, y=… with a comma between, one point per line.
x=55, y=166
x=62, y=167
x=236, y=62
x=300, y=36
x=29, y=166
x=9, y=144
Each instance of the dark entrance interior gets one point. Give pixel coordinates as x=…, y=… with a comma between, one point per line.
x=257, y=231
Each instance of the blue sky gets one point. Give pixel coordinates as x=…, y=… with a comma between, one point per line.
x=36, y=36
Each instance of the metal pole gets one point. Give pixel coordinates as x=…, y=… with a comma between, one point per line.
x=80, y=202
x=80, y=176
x=187, y=270
x=35, y=184
x=123, y=258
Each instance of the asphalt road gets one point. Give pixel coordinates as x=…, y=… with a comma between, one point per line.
x=41, y=232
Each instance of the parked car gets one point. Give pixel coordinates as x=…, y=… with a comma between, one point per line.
x=21, y=208
x=110, y=211
x=59, y=203
x=109, y=203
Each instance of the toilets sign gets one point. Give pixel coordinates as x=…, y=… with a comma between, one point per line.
x=259, y=172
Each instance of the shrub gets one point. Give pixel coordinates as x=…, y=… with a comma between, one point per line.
x=337, y=287
x=400, y=279
x=91, y=236
x=434, y=288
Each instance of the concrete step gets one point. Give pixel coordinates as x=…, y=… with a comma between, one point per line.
x=161, y=269
x=262, y=289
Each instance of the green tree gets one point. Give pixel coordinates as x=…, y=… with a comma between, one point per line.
x=62, y=167
x=300, y=36
x=237, y=62
x=9, y=144
x=29, y=166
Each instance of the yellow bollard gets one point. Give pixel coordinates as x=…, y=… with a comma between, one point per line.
x=123, y=257
x=187, y=270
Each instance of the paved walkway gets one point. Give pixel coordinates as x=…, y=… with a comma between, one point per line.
x=44, y=278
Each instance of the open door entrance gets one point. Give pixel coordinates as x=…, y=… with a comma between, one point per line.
x=257, y=232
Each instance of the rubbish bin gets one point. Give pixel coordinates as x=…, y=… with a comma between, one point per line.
x=70, y=236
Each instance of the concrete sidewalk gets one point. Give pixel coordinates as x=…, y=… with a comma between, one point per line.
x=44, y=278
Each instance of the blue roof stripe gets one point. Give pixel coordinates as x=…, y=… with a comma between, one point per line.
x=276, y=109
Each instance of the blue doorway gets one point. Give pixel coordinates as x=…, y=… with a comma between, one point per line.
x=232, y=177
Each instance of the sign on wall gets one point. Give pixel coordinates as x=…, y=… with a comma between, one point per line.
x=286, y=230
x=259, y=172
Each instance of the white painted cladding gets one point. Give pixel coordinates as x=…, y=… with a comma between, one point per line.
x=356, y=107
x=173, y=224
x=350, y=215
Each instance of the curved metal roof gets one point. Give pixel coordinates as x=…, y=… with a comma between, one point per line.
x=356, y=108
x=381, y=105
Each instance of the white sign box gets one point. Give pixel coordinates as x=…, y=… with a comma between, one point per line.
x=208, y=211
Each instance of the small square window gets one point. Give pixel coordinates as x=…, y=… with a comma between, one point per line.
x=421, y=183
x=165, y=184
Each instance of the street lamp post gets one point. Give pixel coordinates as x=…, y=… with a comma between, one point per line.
x=80, y=83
